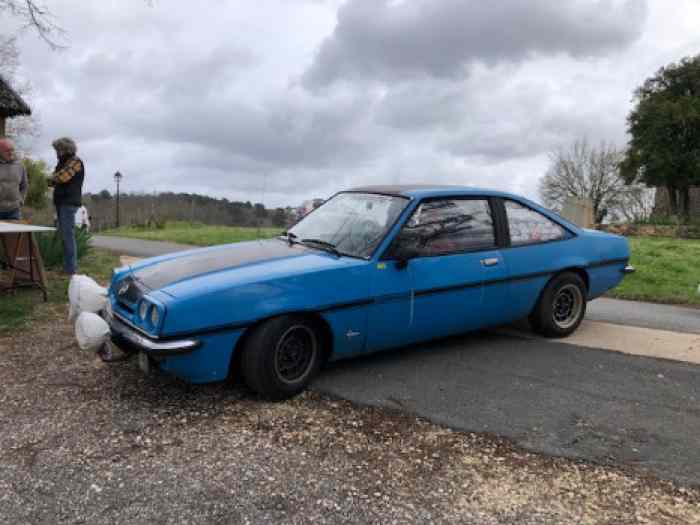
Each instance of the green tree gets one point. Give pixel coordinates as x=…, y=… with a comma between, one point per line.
x=664, y=149
x=260, y=211
x=37, y=175
x=279, y=218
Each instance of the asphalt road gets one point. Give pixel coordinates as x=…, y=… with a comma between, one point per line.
x=547, y=397
x=647, y=315
x=136, y=247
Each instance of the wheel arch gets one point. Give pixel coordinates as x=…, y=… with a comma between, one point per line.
x=577, y=270
x=581, y=272
x=315, y=317
x=541, y=315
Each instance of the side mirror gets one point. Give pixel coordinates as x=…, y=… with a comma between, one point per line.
x=402, y=251
x=401, y=264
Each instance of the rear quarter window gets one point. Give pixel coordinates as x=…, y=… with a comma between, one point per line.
x=526, y=226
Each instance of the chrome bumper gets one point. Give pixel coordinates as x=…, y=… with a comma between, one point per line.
x=628, y=269
x=152, y=347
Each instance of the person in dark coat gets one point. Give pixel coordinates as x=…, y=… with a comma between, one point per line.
x=13, y=182
x=67, y=181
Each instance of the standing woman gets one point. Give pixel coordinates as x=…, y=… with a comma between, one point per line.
x=67, y=180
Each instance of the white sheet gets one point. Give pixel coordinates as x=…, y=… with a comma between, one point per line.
x=11, y=227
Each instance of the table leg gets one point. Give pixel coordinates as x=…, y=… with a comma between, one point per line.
x=13, y=261
x=36, y=273
x=40, y=268
x=33, y=259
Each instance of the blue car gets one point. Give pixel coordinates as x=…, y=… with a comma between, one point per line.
x=372, y=268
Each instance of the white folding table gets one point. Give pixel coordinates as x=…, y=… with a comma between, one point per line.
x=22, y=255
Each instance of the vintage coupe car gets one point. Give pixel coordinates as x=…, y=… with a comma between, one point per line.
x=372, y=268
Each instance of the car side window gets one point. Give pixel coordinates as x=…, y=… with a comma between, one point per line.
x=530, y=227
x=444, y=226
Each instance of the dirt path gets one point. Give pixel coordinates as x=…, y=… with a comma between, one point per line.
x=81, y=442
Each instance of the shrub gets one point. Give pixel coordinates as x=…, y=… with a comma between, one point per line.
x=670, y=220
x=51, y=247
x=37, y=175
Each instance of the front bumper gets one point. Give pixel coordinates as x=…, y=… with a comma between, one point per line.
x=121, y=331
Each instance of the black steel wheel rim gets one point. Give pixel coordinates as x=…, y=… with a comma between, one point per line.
x=295, y=354
x=567, y=306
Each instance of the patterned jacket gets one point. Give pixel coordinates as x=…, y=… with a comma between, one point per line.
x=67, y=181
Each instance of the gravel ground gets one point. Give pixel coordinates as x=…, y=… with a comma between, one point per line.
x=81, y=442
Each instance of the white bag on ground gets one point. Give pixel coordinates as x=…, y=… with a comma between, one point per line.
x=85, y=295
x=91, y=331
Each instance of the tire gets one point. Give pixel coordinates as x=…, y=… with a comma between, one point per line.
x=561, y=306
x=282, y=356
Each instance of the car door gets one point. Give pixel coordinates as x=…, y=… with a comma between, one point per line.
x=457, y=272
x=389, y=315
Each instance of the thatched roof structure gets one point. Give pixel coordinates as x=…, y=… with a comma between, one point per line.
x=11, y=104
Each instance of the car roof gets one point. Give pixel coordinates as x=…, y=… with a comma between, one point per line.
x=421, y=191
x=428, y=190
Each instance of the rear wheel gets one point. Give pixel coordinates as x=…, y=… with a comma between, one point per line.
x=282, y=356
x=561, y=307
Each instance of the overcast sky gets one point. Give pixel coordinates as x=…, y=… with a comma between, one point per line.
x=300, y=98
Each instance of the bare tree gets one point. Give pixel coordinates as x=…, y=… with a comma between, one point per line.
x=19, y=127
x=590, y=173
x=9, y=56
x=36, y=16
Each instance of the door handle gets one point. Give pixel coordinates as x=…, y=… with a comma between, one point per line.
x=492, y=261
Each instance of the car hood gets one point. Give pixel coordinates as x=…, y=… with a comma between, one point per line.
x=175, y=274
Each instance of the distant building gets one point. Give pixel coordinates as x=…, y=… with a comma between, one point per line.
x=11, y=105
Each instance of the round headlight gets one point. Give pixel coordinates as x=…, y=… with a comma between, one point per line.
x=143, y=310
x=155, y=316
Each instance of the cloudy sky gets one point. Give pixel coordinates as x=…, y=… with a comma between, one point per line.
x=293, y=99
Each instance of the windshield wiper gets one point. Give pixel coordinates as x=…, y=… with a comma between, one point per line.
x=324, y=245
x=289, y=237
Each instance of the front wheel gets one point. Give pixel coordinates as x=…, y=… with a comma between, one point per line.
x=282, y=356
x=561, y=307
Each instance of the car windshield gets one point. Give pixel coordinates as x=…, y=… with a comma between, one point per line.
x=350, y=223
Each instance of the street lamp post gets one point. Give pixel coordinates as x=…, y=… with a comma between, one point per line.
x=117, y=178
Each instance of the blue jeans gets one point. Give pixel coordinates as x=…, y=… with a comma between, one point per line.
x=12, y=215
x=66, y=227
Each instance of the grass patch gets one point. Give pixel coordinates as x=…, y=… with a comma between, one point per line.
x=668, y=271
x=27, y=304
x=195, y=233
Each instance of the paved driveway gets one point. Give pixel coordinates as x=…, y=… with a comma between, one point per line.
x=136, y=247
x=548, y=397
x=648, y=315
